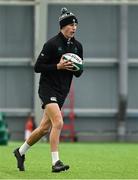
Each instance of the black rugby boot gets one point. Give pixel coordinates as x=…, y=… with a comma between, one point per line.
x=59, y=166
x=20, y=159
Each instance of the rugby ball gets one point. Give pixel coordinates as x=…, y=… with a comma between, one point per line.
x=77, y=61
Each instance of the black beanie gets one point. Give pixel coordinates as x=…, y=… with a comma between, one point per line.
x=66, y=18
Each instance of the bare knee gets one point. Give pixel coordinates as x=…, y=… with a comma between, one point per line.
x=58, y=125
x=57, y=122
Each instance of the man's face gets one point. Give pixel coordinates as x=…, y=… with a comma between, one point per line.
x=69, y=30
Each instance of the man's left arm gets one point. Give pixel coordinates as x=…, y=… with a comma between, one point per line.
x=78, y=73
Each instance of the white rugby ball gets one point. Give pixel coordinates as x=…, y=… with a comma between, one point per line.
x=77, y=61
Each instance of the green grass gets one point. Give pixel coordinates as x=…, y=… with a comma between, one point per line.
x=86, y=160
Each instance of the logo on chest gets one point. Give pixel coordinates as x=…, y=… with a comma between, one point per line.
x=75, y=50
x=60, y=49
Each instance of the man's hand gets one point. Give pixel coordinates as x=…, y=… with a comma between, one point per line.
x=65, y=65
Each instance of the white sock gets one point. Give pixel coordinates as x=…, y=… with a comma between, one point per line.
x=55, y=157
x=24, y=148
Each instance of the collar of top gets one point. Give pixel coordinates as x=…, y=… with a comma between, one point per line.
x=66, y=41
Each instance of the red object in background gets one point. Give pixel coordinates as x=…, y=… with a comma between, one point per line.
x=29, y=126
x=68, y=131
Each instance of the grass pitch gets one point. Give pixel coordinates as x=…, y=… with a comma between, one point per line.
x=86, y=160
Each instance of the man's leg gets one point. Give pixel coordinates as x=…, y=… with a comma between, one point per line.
x=55, y=116
x=42, y=130
x=34, y=137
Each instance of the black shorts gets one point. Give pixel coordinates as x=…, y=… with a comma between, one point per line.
x=49, y=95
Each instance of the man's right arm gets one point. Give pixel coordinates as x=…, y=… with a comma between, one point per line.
x=43, y=61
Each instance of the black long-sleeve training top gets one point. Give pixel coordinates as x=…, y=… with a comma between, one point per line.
x=49, y=57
